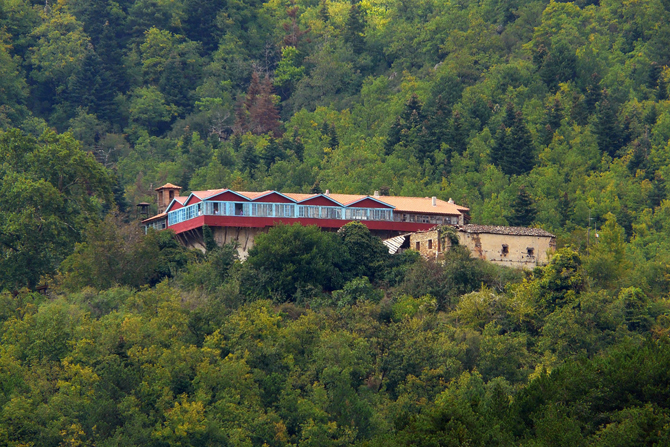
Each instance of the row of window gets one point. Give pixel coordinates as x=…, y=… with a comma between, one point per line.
x=530, y=251
x=425, y=218
x=277, y=210
x=156, y=225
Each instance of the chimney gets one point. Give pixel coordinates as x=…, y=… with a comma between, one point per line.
x=451, y=200
x=376, y=193
x=327, y=192
x=434, y=201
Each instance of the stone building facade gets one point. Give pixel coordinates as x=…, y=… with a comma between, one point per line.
x=516, y=247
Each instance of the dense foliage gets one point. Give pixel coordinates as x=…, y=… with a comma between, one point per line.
x=550, y=114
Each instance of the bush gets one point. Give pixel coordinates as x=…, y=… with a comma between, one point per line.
x=289, y=258
x=358, y=289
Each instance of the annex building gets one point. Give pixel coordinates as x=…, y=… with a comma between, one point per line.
x=241, y=215
x=517, y=247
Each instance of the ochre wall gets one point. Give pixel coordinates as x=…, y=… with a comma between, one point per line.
x=423, y=238
x=490, y=248
x=223, y=235
x=243, y=235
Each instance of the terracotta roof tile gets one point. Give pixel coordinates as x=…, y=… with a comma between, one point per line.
x=346, y=199
x=202, y=195
x=423, y=205
x=252, y=195
x=418, y=205
x=156, y=217
x=167, y=186
x=298, y=196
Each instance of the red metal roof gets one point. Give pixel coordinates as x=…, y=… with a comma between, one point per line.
x=416, y=205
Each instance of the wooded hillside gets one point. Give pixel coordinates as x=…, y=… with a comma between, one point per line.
x=554, y=115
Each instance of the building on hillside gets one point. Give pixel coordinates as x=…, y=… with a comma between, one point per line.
x=517, y=247
x=510, y=246
x=240, y=215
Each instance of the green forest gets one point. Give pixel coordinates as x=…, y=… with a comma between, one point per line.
x=547, y=114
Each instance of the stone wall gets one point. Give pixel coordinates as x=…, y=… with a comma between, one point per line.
x=431, y=244
x=244, y=236
x=223, y=235
x=509, y=250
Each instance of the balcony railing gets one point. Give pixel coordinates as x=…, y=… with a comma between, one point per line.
x=247, y=209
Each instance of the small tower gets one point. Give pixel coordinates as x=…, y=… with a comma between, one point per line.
x=143, y=210
x=165, y=194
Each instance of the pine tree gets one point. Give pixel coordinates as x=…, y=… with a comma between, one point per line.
x=272, y=153
x=662, y=94
x=333, y=141
x=523, y=156
x=457, y=137
x=258, y=112
x=552, y=121
x=413, y=130
x=658, y=192
x=294, y=144
x=639, y=158
x=299, y=149
x=593, y=94
x=201, y=24
x=523, y=209
x=393, y=136
x=175, y=84
x=564, y=208
x=316, y=188
x=324, y=15
x=250, y=159
x=293, y=32
x=354, y=28
x=263, y=114
x=558, y=65
x=208, y=238
x=513, y=151
x=437, y=123
x=120, y=194
x=607, y=128
x=90, y=88
x=412, y=114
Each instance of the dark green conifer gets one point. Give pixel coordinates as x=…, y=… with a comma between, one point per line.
x=513, y=151
x=458, y=134
x=662, y=94
x=523, y=209
x=208, y=238
x=393, y=136
x=272, y=153
x=333, y=141
x=354, y=28
x=594, y=93
x=437, y=123
x=91, y=89
x=316, y=188
x=412, y=114
x=298, y=148
x=552, y=121
x=323, y=11
x=558, y=65
x=607, y=128
x=564, y=208
x=250, y=159
x=639, y=158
